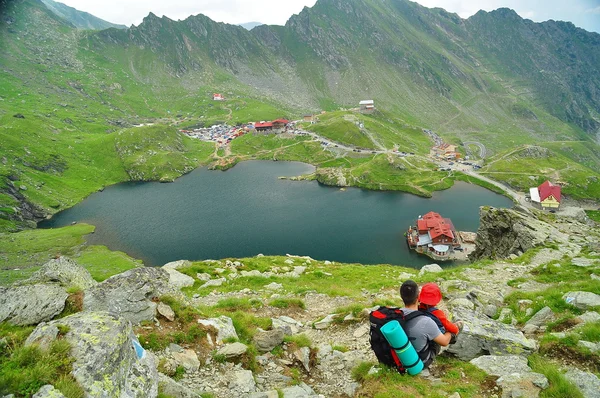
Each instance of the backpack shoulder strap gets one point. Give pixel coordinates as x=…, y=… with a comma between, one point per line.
x=414, y=314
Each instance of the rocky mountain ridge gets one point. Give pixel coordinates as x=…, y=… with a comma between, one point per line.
x=242, y=326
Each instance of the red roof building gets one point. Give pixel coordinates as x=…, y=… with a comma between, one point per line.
x=549, y=194
x=263, y=125
x=438, y=229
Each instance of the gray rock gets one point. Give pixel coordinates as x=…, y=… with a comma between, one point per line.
x=129, y=294
x=461, y=302
x=325, y=322
x=43, y=335
x=289, y=325
x=541, y=318
x=31, y=304
x=242, y=382
x=299, y=270
x=65, y=272
x=224, y=327
x=593, y=347
x=588, y=383
x=175, y=347
x=264, y=394
x=166, y=311
x=203, y=277
x=177, y=264
x=254, y=272
x=430, y=268
x=267, y=340
x=109, y=361
x=274, y=286
x=170, y=387
x=582, y=300
x=590, y=316
x=530, y=329
x=233, y=350
x=483, y=335
x=300, y=391
x=490, y=310
x=584, y=262
x=523, y=304
x=595, y=277
x=302, y=355
x=177, y=279
x=188, y=359
x=214, y=283
x=515, y=377
x=48, y=391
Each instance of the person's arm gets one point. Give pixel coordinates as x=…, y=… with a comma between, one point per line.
x=449, y=326
x=443, y=339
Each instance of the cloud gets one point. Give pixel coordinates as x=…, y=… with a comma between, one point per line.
x=593, y=10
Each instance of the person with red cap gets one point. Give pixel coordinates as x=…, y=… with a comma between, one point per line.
x=429, y=297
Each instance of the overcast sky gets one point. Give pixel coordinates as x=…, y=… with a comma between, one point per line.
x=583, y=13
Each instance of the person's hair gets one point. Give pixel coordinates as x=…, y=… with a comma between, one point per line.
x=409, y=291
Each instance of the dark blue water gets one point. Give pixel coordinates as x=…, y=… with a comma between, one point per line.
x=248, y=210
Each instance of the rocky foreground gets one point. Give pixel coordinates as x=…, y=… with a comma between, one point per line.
x=278, y=326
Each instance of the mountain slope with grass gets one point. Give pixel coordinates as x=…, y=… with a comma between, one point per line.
x=79, y=19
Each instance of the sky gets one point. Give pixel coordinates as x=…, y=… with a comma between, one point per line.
x=583, y=13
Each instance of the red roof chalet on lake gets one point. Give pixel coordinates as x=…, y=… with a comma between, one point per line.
x=433, y=235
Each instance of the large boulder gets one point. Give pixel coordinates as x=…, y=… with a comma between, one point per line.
x=582, y=300
x=129, y=294
x=48, y=391
x=503, y=232
x=109, y=361
x=482, y=335
x=176, y=278
x=588, y=383
x=31, y=304
x=515, y=376
x=171, y=388
x=265, y=341
x=224, y=327
x=65, y=272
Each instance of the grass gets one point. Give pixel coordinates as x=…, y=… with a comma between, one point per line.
x=299, y=340
x=24, y=252
x=23, y=370
x=288, y=303
x=593, y=215
x=559, y=385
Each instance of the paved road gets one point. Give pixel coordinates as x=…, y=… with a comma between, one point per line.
x=482, y=151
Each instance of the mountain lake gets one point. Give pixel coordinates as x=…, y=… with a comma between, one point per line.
x=248, y=210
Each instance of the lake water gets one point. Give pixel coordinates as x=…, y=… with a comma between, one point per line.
x=247, y=210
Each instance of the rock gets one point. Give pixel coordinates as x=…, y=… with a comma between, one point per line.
x=43, y=336
x=298, y=270
x=503, y=232
x=403, y=276
x=31, y=304
x=48, y=391
x=490, y=310
x=515, y=377
x=213, y=282
x=289, y=261
x=541, y=318
x=23, y=187
x=203, y=277
x=188, y=359
x=220, y=270
x=461, y=302
x=129, y=294
x=454, y=395
x=588, y=383
x=361, y=331
x=108, y=359
x=300, y=391
x=175, y=347
x=242, y=382
x=325, y=322
x=233, y=350
x=177, y=264
x=582, y=300
x=506, y=314
x=523, y=304
x=267, y=340
x=430, y=268
x=327, y=262
x=483, y=335
x=65, y=272
x=264, y=394
x=166, y=311
x=530, y=329
x=593, y=347
x=595, y=277
x=170, y=387
x=254, y=272
x=176, y=278
x=224, y=327
x=274, y=286
x=590, y=316
x=260, y=255
x=584, y=262
x=288, y=325
x=302, y=355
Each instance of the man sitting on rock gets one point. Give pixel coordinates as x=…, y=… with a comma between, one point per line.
x=422, y=331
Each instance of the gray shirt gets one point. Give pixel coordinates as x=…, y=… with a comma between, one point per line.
x=420, y=330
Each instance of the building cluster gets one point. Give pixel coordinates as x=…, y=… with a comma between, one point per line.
x=275, y=126
x=445, y=151
x=366, y=106
x=221, y=134
x=434, y=236
x=547, y=195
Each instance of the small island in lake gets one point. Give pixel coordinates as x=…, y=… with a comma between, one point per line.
x=436, y=237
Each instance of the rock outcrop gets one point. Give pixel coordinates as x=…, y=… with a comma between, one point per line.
x=505, y=232
x=65, y=272
x=515, y=377
x=109, y=361
x=481, y=335
x=176, y=278
x=31, y=304
x=129, y=294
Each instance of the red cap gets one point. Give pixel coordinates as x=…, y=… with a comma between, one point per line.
x=430, y=294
